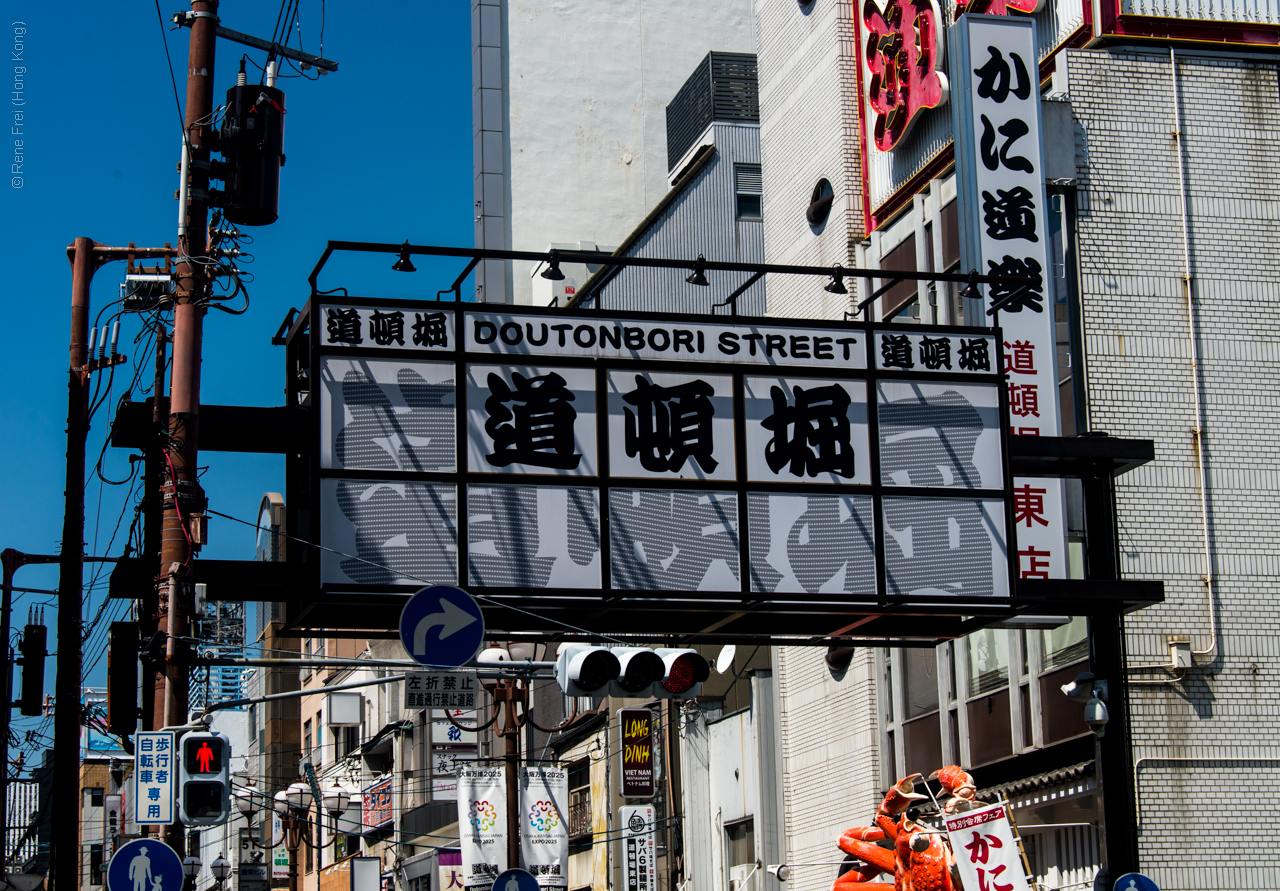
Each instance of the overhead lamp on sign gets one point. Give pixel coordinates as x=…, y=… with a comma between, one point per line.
x=836, y=285
x=970, y=291
x=404, y=264
x=552, y=272
x=697, y=277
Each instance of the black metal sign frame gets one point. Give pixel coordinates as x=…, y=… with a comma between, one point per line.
x=709, y=614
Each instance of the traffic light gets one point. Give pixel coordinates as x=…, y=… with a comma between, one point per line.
x=204, y=779
x=582, y=669
x=122, y=678
x=639, y=668
x=683, y=674
x=34, y=639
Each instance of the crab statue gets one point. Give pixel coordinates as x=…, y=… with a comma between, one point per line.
x=920, y=858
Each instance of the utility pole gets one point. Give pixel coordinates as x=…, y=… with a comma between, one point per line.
x=180, y=491
x=85, y=256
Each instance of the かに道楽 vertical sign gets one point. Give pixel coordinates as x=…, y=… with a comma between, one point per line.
x=1003, y=231
x=636, y=728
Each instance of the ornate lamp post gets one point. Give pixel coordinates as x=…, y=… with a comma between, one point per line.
x=292, y=805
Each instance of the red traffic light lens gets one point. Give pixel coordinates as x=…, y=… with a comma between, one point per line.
x=682, y=676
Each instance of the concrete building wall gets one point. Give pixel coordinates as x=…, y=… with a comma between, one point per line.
x=830, y=738
x=807, y=58
x=1217, y=723
x=569, y=117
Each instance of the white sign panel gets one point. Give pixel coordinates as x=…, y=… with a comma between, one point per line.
x=445, y=733
x=639, y=848
x=671, y=425
x=280, y=853
x=544, y=827
x=387, y=327
x=440, y=689
x=940, y=435
x=388, y=532
x=820, y=544
x=533, y=536
x=673, y=540
x=153, y=777
x=482, y=824
x=985, y=850
x=815, y=347
x=936, y=352
x=444, y=771
x=1000, y=180
x=807, y=430
x=387, y=414
x=531, y=420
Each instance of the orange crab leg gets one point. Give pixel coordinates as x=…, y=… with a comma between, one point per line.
x=859, y=886
x=867, y=851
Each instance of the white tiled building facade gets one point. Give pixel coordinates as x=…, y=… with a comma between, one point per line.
x=1203, y=737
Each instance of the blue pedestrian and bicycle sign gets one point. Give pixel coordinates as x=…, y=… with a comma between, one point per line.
x=515, y=880
x=442, y=627
x=145, y=864
x=1134, y=881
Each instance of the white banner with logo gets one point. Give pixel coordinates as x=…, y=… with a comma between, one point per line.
x=1004, y=231
x=482, y=824
x=985, y=850
x=639, y=848
x=280, y=853
x=544, y=824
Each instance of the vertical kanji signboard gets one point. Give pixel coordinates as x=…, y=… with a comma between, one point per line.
x=1001, y=195
x=533, y=451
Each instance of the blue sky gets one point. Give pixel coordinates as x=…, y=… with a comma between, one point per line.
x=378, y=151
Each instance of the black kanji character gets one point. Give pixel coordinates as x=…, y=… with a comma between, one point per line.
x=670, y=425
x=1012, y=130
x=538, y=427
x=1010, y=213
x=994, y=77
x=813, y=435
x=344, y=326
x=385, y=327
x=429, y=330
x=1031, y=296
x=935, y=353
x=895, y=351
x=974, y=355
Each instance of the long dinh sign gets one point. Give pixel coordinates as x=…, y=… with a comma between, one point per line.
x=627, y=457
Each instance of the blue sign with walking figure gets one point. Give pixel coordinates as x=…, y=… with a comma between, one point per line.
x=442, y=627
x=145, y=864
x=1134, y=881
x=515, y=880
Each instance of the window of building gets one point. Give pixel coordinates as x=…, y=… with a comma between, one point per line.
x=749, y=189
x=740, y=850
x=580, y=804
x=901, y=303
x=95, y=797
x=95, y=864
x=982, y=698
x=306, y=739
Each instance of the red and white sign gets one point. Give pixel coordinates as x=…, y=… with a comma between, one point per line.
x=902, y=54
x=985, y=850
x=1003, y=231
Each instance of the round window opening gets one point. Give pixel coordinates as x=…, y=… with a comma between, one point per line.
x=820, y=203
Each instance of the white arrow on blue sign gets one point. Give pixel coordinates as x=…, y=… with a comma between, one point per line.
x=145, y=864
x=442, y=627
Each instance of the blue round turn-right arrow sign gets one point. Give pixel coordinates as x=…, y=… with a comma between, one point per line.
x=442, y=627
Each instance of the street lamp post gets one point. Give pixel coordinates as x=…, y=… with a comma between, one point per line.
x=221, y=868
x=292, y=805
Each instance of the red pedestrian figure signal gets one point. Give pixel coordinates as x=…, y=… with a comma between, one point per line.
x=204, y=758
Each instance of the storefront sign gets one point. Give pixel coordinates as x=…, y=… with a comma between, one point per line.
x=985, y=850
x=635, y=726
x=1001, y=194
x=639, y=848
x=376, y=810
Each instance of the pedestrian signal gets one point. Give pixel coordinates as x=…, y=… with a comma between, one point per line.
x=204, y=779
